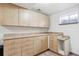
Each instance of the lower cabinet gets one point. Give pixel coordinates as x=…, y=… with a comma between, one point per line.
x=40, y=44
x=12, y=47
x=9, y=48
x=53, y=44
x=17, y=47
x=44, y=43
x=37, y=45
x=25, y=46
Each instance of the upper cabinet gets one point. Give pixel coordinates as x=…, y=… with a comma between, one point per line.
x=31, y=18
x=43, y=20
x=24, y=17
x=39, y=20
x=10, y=14
x=1, y=13
x=17, y=16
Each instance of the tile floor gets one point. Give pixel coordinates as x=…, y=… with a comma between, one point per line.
x=50, y=53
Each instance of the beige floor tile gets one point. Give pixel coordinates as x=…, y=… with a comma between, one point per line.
x=50, y=53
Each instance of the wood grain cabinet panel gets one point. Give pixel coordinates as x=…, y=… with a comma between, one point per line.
x=35, y=19
x=1, y=13
x=53, y=44
x=27, y=47
x=37, y=45
x=43, y=20
x=10, y=15
x=18, y=47
x=40, y=44
x=9, y=48
x=31, y=18
x=24, y=17
x=39, y=20
x=44, y=43
x=12, y=47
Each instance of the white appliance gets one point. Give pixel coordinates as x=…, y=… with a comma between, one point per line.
x=63, y=45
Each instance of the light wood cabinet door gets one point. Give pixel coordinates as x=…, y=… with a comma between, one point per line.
x=28, y=18
x=37, y=45
x=9, y=47
x=24, y=17
x=27, y=47
x=10, y=15
x=12, y=47
x=1, y=13
x=53, y=44
x=39, y=20
x=18, y=47
x=44, y=20
x=33, y=19
x=44, y=43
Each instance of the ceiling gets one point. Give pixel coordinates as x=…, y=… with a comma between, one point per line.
x=47, y=8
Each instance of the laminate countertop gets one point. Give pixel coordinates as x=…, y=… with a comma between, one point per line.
x=21, y=35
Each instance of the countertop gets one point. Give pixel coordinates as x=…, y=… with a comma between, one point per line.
x=21, y=35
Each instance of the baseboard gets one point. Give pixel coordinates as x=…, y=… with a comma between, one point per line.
x=47, y=50
x=41, y=52
x=55, y=53
x=74, y=53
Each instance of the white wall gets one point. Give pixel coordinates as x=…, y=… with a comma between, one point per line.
x=12, y=29
x=71, y=30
